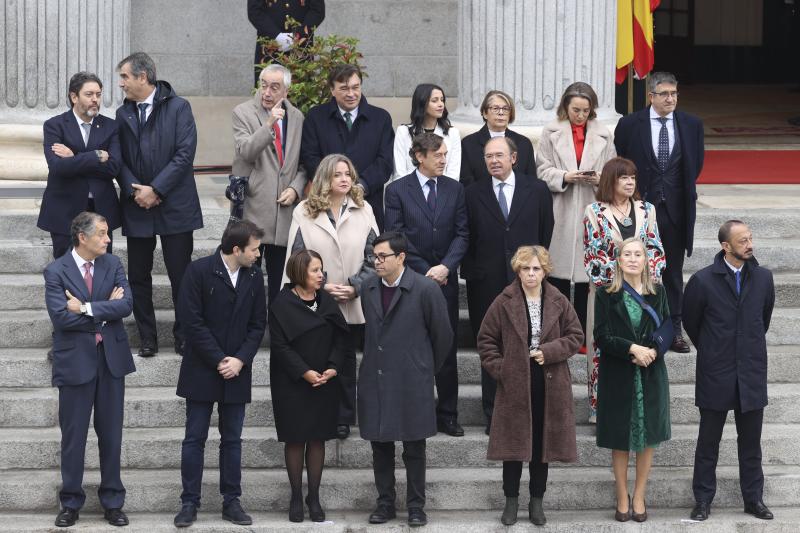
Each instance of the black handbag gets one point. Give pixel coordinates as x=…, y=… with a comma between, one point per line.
x=664, y=332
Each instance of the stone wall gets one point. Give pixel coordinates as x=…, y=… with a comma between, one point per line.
x=205, y=47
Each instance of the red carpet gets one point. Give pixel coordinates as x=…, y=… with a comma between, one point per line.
x=751, y=167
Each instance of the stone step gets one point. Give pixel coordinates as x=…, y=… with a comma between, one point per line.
x=160, y=448
x=160, y=407
x=660, y=520
x=28, y=367
x=353, y=489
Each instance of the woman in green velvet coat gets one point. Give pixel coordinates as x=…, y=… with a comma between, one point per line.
x=633, y=398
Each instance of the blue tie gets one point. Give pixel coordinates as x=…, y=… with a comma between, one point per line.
x=432, y=194
x=738, y=282
x=663, y=145
x=501, y=199
x=142, y=114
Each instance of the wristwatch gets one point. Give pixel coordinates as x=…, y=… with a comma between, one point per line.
x=99, y=154
x=84, y=309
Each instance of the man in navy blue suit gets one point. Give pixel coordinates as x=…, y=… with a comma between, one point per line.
x=81, y=147
x=429, y=208
x=87, y=297
x=667, y=147
x=349, y=125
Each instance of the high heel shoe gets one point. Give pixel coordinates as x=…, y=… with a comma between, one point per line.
x=636, y=517
x=296, y=507
x=623, y=517
x=315, y=511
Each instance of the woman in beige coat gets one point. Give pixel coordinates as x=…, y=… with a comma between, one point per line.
x=571, y=154
x=337, y=223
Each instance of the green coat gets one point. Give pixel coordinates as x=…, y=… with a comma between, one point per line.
x=614, y=334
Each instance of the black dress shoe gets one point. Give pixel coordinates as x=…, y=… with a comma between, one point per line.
x=417, y=517
x=186, y=516
x=382, y=514
x=451, y=427
x=234, y=513
x=67, y=517
x=679, y=345
x=701, y=511
x=342, y=431
x=116, y=517
x=759, y=510
x=147, y=351
x=315, y=511
x=296, y=508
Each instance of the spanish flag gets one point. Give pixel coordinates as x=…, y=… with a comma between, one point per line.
x=635, y=37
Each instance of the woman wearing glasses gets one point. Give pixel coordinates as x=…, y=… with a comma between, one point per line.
x=572, y=152
x=336, y=222
x=428, y=114
x=497, y=110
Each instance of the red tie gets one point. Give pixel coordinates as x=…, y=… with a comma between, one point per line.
x=278, y=145
x=98, y=338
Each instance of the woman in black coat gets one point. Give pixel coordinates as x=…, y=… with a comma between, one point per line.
x=308, y=343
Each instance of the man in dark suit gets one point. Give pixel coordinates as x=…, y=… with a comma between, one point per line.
x=667, y=147
x=504, y=213
x=158, y=192
x=87, y=297
x=430, y=210
x=349, y=125
x=726, y=311
x=271, y=19
x=81, y=147
x=223, y=314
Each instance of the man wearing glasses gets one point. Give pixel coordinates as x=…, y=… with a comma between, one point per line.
x=667, y=147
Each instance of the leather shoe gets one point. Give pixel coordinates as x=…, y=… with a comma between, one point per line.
x=417, y=517
x=382, y=514
x=234, y=513
x=451, y=427
x=116, y=517
x=636, y=517
x=619, y=516
x=296, y=507
x=759, y=510
x=147, y=351
x=342, y=431
x=701, y=511
x=67, y=517
x=186, y=516
x=315, y=511
x=679, y=345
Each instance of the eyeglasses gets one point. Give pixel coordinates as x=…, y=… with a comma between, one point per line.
x=665, y=94
x=380, y=258
x=499, y=109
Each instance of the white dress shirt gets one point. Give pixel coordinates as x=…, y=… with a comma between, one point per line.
x=508, y=190
x=149, y=101
x=423, y=183
x=402, y=159
x=80, y=128
x=233, y=274
x=80, y=261
x=353, y=114
x=397, y=281
x=655, y=130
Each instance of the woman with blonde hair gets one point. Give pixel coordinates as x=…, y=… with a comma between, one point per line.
x=633, y=393
x=338, y=223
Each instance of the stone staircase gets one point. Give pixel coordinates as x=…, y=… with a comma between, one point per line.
x=464, y=490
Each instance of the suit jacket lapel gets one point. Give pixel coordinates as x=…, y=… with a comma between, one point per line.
x=406, y=282
x=74, y=275
x=564, y=145
x=646, y=136
x=611, y=219
x=488, y=199
x=593, y=146
x=520, y=200
x=101, y=272
x=131, y=117
x=374, y=298
x=443, y=196
x=73, y=131
x=416, y=193
x=324, y=222
x=618, y=305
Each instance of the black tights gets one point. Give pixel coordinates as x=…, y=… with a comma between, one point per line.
x=314, y=453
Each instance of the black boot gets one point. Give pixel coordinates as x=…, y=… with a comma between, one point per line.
x=509, y=517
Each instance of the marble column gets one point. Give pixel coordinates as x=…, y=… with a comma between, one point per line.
x=45, y=42
x=533, y=49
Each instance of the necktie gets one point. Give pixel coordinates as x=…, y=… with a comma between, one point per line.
x=663, y=145
x=278, y=144
x=501, y=199
x=87, y=277
x=142, y=114
x=87, y=130
x=738, y=282
x=348, y=121
x=432, y=194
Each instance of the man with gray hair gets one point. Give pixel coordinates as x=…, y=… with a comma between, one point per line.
x=87, y=297
x=158, y=193
x=667, y=147
x=267, y=130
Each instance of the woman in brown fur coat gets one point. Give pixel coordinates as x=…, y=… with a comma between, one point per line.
x=525, y=339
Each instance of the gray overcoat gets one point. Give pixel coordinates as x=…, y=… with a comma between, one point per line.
x=402, y=352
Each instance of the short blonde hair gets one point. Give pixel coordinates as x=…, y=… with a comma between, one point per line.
x=526, y=254
x=319, y=196
x=648, y=285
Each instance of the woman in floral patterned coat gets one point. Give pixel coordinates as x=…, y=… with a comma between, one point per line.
x=618, y=214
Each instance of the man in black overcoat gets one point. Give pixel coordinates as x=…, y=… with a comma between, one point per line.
x=667, y=147
x=726, y=312
x=223, y=315
x=505, y=212
x=349, y=125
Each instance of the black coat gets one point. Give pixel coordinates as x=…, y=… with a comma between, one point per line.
x=161, y=156
x=269, y=16
x=730, y=334
x=369, y=145
x=303, y=340
x=473, y=166
x=218, y=320
x=71, y=179
x=633, y=140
